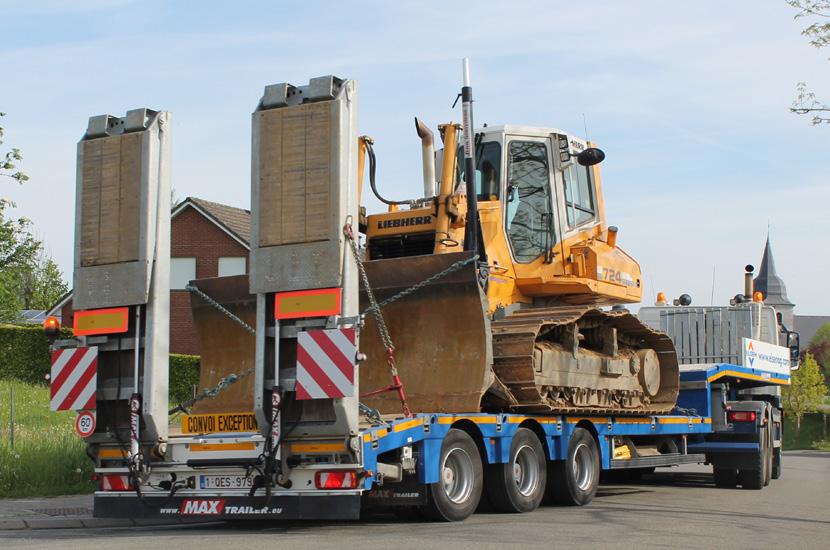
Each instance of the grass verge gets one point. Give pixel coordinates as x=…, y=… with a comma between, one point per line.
x=48, y=457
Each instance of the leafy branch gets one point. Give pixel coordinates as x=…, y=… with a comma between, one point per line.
x=818, y=33
x=9, y=161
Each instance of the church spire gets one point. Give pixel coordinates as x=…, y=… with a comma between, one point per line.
x=768, y=281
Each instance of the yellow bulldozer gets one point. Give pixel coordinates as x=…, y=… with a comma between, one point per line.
x=502, y=288
x=495, y=283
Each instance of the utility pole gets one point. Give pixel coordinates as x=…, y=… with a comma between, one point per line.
x=11, y=416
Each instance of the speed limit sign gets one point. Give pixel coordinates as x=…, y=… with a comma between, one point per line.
x=85, y=423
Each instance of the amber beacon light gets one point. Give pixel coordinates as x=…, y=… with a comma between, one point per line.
x=52, y=327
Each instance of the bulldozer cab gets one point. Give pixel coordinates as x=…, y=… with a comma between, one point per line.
x=543, y=220
x=536, y=173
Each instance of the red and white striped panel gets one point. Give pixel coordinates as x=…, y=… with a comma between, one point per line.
x=325, y=363
x=115, y=483
x=74, y=378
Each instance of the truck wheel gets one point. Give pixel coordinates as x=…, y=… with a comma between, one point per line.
x=768, y=469
x=456, y=494
x=776, y=463
x=518, y=485
x=753, y=478
x=725, y=477
x=574, y=481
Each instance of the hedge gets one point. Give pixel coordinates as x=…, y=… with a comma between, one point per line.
x=24, y=353
x=24, y=356
x=184, y=374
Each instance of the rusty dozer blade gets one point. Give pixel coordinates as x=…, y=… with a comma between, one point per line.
x=441, y=335
x=226, y=347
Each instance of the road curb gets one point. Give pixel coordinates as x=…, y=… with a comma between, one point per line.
x=38, y=523
x=12, y=524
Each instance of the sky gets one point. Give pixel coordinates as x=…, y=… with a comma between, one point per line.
x=689, y=101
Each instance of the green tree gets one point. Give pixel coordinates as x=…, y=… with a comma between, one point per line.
x=817, y=12
x=806, y=391
x=28, y=279
x=819, y=348
x=17, y=246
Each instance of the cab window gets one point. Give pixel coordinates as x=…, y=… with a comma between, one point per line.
x=488, y=170
x=579, y=195
x=529, y=222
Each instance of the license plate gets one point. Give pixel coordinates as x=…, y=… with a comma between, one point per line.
x=225, y=482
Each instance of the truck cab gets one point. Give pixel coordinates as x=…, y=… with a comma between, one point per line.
x=735, y=353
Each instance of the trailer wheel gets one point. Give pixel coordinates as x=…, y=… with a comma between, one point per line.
x=754, y=478
x=776, y=463
x=457, y=493
x=726, y=478
x=574, y=481
x=518, y=485
x=769, y=457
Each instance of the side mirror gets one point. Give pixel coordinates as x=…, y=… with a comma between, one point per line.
x=794, y=343
x=590, y=156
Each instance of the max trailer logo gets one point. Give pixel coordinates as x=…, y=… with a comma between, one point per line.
x=202, y=507
x=218, y=507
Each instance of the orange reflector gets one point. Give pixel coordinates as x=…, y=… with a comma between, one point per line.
x=102, y=321
x=306, y=448
x=338, y=479
x=307, y=303
x=758, y=296
x=208, y=447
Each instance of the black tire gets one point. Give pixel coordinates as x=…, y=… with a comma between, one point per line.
x=776, y=463
x=574, y=481
x=726, y=478
x=458, y=491
x=754, y=478
x=768, y=469
x=519, y=485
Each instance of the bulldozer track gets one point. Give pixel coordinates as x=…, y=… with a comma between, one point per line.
x=514, y=340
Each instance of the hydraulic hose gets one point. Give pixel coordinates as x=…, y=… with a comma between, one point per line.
x=372, y=167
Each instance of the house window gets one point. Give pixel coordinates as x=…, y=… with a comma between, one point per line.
x=182, y=271
x=231, y=265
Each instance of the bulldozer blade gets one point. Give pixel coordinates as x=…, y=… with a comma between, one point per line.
x=441, y=336
x=226, y=347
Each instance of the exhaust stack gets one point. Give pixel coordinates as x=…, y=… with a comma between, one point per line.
x=748, y=284
x=428, y=153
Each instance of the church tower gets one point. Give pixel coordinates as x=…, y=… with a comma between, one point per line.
x=775, y=292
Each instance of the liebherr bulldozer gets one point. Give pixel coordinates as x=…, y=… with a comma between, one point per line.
x=520, y=328
x=520, y=263
x=500, y=289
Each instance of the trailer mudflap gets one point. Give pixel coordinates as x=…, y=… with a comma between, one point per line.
x=409, y=492
x=289, y=507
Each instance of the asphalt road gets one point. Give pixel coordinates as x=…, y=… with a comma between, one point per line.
x=677, y=508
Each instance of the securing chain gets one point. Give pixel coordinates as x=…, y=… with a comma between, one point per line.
x=383, y=330
x=429, y=280
x=228, y=380
x=217, y=305
x=372, y=415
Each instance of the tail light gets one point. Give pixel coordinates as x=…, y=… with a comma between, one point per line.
x=338, y=479
x=115, y=483
x=740, y=416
